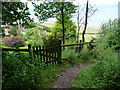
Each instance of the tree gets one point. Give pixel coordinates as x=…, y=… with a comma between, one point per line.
x=85, y=11
x=15, y=12
x=54, y=10
x=70, y=28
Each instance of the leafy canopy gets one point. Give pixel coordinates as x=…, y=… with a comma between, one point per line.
x=15, y=11
x=53, y=10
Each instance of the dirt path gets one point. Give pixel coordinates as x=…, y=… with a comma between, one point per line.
x=67, y=76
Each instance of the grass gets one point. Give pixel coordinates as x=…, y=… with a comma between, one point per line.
x=50, y=73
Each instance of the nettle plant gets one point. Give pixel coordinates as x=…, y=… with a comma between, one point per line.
x=14, y=42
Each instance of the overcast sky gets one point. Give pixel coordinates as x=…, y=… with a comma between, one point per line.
x=107, y=9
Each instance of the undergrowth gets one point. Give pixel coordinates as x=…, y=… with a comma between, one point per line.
x=104, y=71
x=18, y=72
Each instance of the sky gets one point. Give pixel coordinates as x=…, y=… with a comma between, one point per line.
x=106, y=9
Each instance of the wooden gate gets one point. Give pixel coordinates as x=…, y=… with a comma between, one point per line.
x=50, y=54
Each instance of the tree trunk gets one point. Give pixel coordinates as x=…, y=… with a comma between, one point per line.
x=63, y=24
x=86, y=17
x=78, y=24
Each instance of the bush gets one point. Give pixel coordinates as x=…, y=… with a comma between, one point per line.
x=22, y=36
x=103, y=74
x=70, y=28
x=14, y=42
x=35, y=36
x=18, y=72
x=110, y=34
x=49, y=39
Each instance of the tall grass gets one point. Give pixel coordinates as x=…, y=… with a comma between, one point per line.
x=104, y=73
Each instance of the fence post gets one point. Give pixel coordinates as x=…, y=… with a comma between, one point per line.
x=59, y=52
x=30, y=52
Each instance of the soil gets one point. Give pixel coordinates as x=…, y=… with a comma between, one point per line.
x=67, y=76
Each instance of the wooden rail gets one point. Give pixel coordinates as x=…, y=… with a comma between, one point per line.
x=65, y=45
x=9, y=49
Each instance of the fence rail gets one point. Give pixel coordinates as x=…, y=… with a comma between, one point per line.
x=65, y=45
x=9, y=49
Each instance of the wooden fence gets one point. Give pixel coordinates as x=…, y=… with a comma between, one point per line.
x=50, y=54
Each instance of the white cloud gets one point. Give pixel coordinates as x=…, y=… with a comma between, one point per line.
x=97, y=1
x=104, y=1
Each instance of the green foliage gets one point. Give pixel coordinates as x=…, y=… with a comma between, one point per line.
x=3, y=34
x=18, y=72
x=86, y=55
x=35, y=36
x=70, y=28
x=53, y=9
x=49, y=40
x=72, y=56
x=110, y=34
x=103, y=74
x=31, y=25
x=14, y=30
x=10, y=13
x=22, y=36
x=45, y=28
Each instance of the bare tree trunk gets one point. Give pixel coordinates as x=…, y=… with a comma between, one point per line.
x=63, y=24
x=86, y=17
x=78, y=24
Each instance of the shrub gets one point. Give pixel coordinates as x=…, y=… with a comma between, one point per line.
x=110, y=34
x=22, y=36
x=102, y=74
x=72, y=56
x=35, y=36
x=70, y=28
x=49, y=39
x=14, y=42
x=18, y=72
